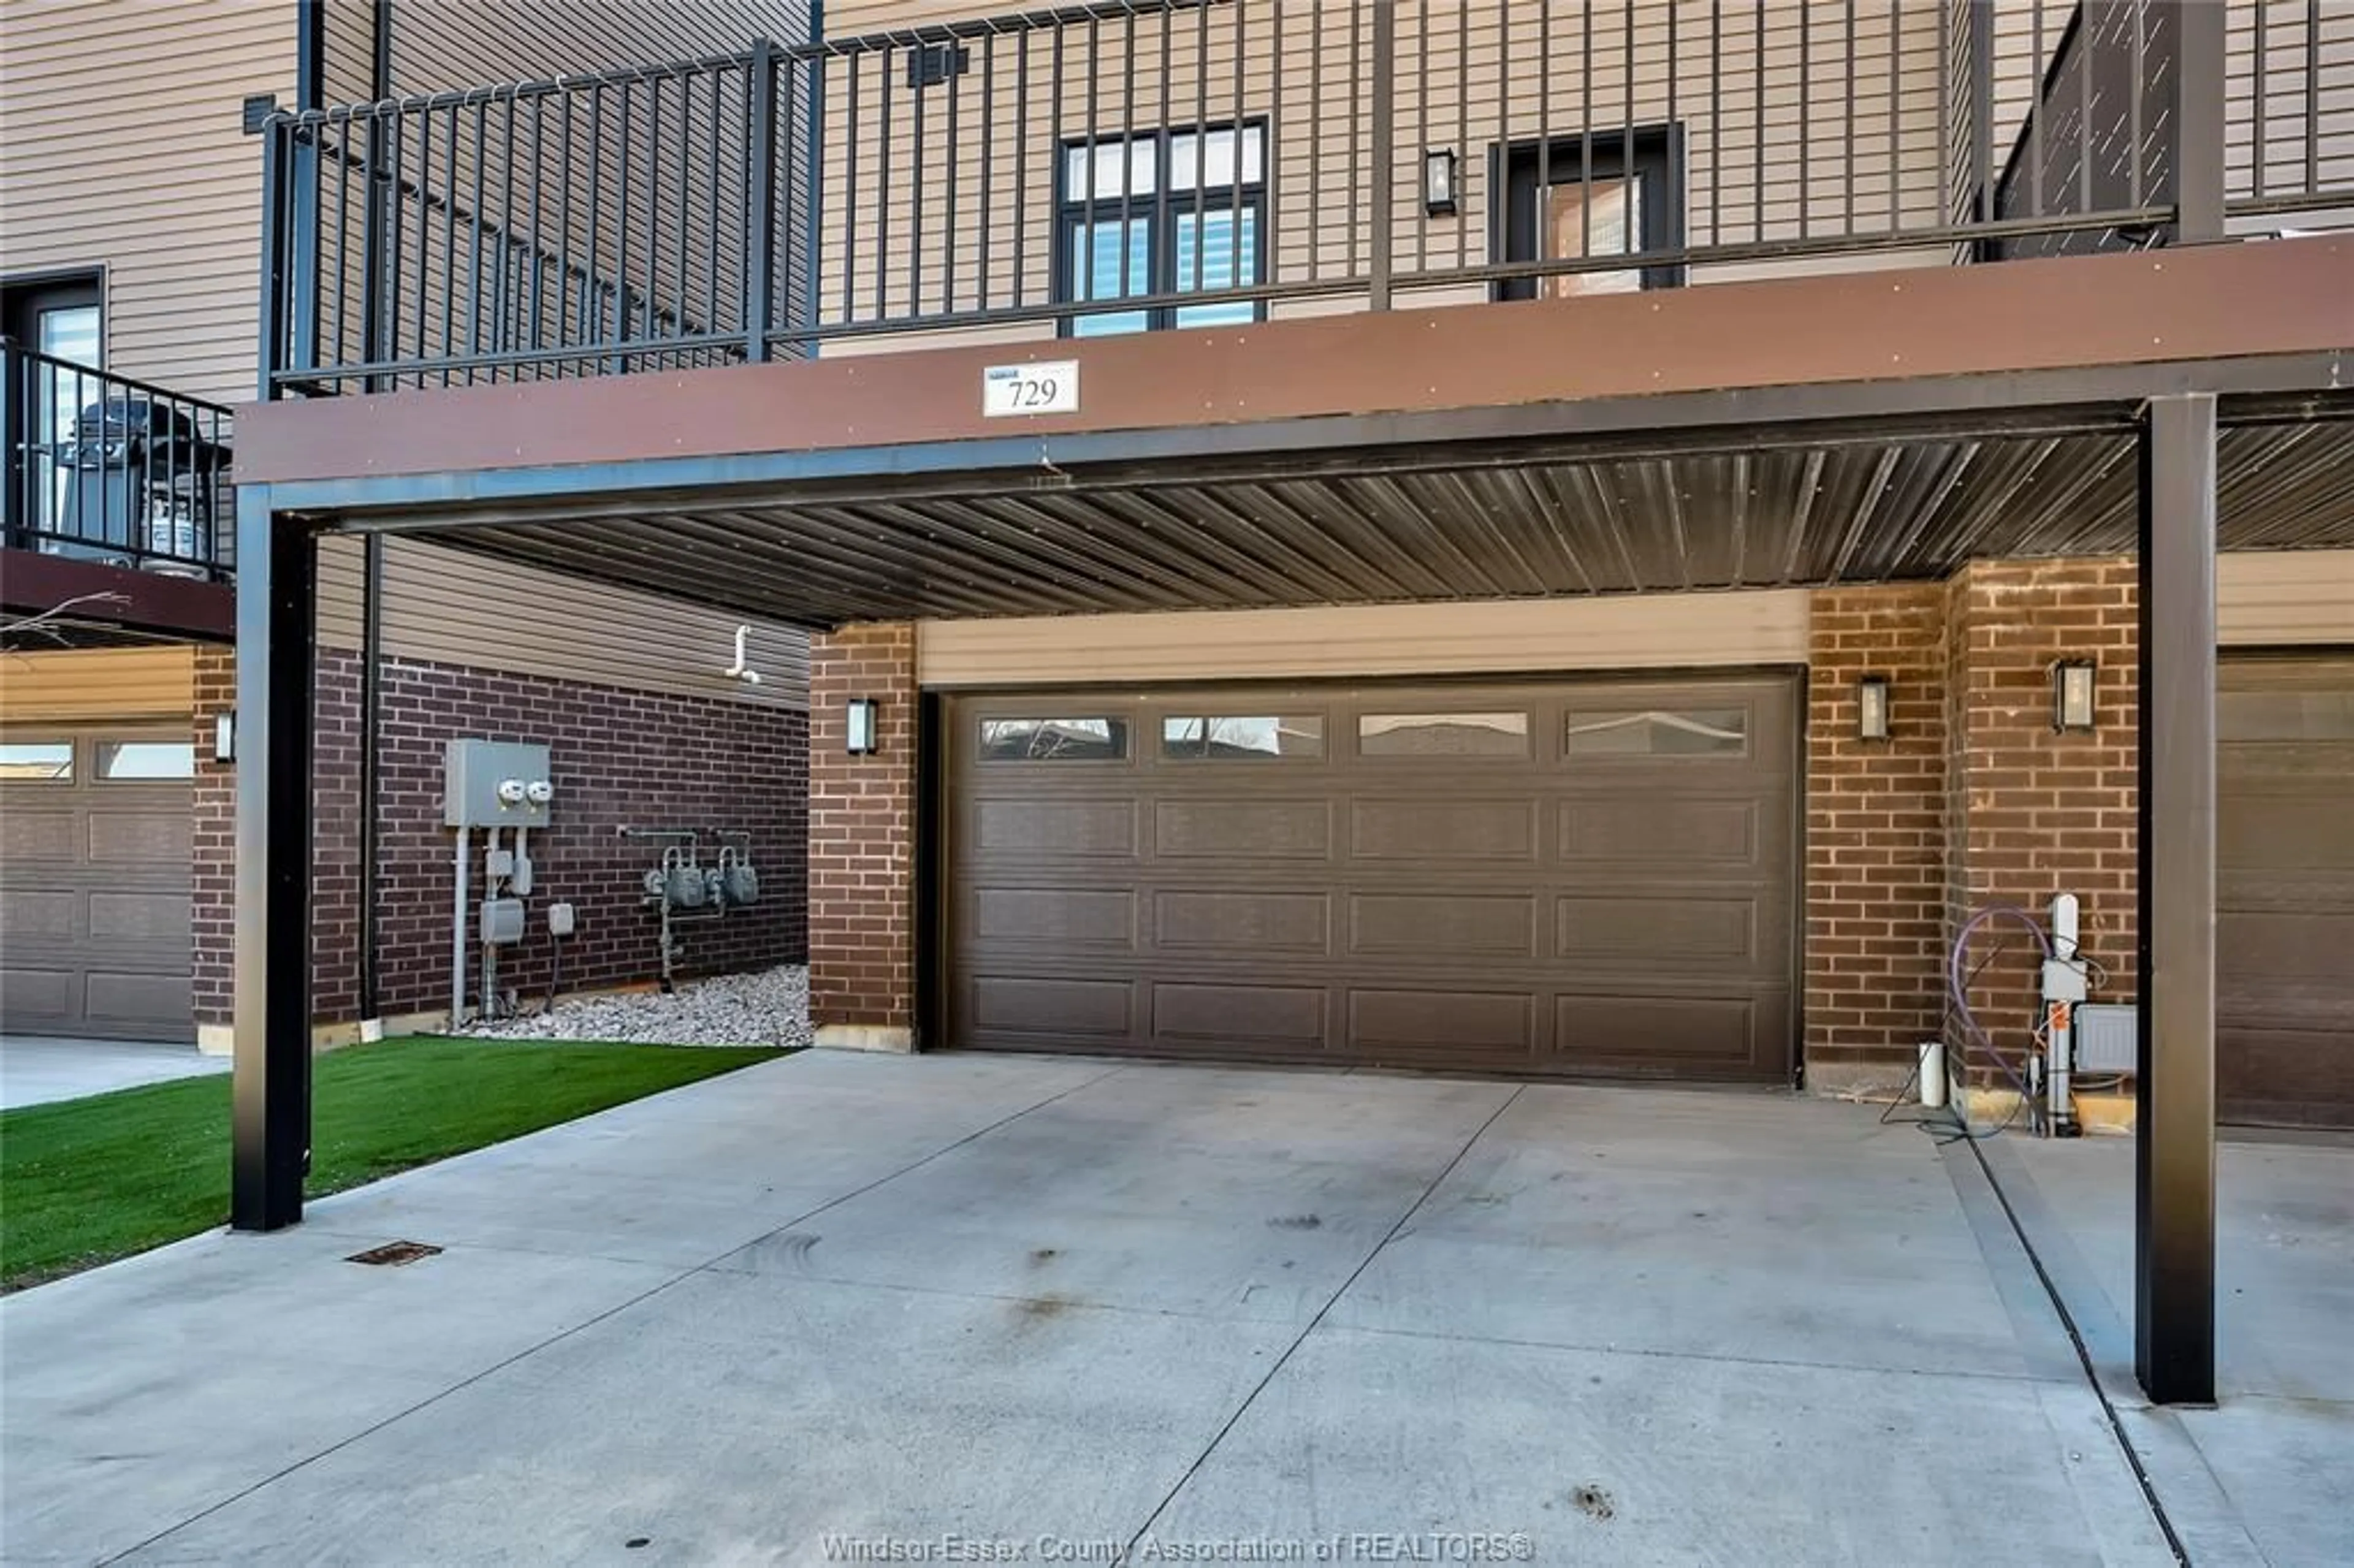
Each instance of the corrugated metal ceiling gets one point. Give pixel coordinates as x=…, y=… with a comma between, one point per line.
x=1758, y=518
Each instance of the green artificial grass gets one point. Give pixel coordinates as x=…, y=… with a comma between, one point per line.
x=86, y=1182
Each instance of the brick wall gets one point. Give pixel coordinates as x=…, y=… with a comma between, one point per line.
x=861, y=839
x=619, y=757
x=2040, y=812
x=1876, y=834
x=1972, y=801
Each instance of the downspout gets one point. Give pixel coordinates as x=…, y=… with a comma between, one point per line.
x=371, y=708
x=372, y=560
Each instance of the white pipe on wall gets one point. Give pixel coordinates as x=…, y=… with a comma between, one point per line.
x=458, y=931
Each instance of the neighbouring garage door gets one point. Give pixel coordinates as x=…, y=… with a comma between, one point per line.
x=94, y=853
x=1587, y=877
x=2285, y=853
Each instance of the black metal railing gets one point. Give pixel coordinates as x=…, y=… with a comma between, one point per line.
x=1137, y=164
x=104, y=468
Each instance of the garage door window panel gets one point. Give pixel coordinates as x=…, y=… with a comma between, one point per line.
x=37, y=761
x=1241, y=738
x=1444, y=736
x=1089, y=739
x=1646, y=733
x=146, y=760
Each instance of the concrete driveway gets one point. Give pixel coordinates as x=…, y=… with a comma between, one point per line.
x=39, y=1071
x=842, y=1307
x=2265, y=1476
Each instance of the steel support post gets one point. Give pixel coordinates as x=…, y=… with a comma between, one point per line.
x=271, y=1132
x=2174, y=1151
x=2202, y=42
x=760, y=193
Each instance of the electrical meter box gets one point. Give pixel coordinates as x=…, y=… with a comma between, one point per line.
x=496, y=784
x=503, y=921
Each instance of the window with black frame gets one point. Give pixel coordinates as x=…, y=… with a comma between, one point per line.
x=1162, y=212
x=1590, y=198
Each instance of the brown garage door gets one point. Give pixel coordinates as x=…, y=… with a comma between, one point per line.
x=2285, y=853
x=1557, y=878
x=94, y=842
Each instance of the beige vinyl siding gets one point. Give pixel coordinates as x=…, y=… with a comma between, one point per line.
x=97, y=684
x=122, y=149
x=2262, y=599
x=2284, y=598
x=451, y=607
x=1514, y=636
x=348, y=50
x=2302, y=47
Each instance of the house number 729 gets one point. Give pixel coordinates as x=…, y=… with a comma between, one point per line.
x=1038, y=388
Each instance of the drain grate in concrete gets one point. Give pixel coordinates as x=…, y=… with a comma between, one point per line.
x=395, y=1253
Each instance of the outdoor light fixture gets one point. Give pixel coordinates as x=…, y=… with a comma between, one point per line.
x=2072, y=695
x=225, y=735
x=858, y=726
x=1871, y=708
x=1438, y=182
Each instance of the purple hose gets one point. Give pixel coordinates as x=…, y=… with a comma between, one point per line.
x=1958, y=991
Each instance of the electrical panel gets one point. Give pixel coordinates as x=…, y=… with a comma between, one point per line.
x=496, y=784
x=2108, y=1039
x=501, y=921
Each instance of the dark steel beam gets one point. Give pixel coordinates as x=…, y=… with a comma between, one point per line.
x=276, y=594
x=1993, y=403
x=2174, y=1151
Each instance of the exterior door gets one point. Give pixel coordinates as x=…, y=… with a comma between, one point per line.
x=61, y=319
x=1552, y=877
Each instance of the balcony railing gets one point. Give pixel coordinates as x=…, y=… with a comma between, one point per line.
x=104, y=468
x=1137, y=164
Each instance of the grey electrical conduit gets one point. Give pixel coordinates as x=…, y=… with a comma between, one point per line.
x=1957, y=990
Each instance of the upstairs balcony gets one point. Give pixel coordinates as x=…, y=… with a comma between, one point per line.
x=118, y=511
x=1142, y=164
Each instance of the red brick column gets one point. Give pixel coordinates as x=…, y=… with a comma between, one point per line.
x=1875, y=835
x=2038, y=812
x=212, y=859
x=862, y=841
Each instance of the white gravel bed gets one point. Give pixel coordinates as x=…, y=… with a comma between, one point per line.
x=766, y=1008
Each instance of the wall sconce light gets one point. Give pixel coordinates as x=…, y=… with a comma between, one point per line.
x=225, y=735
x=1438, y=182
x=1871, y=708
x=858, y=726
x=2072, y=695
